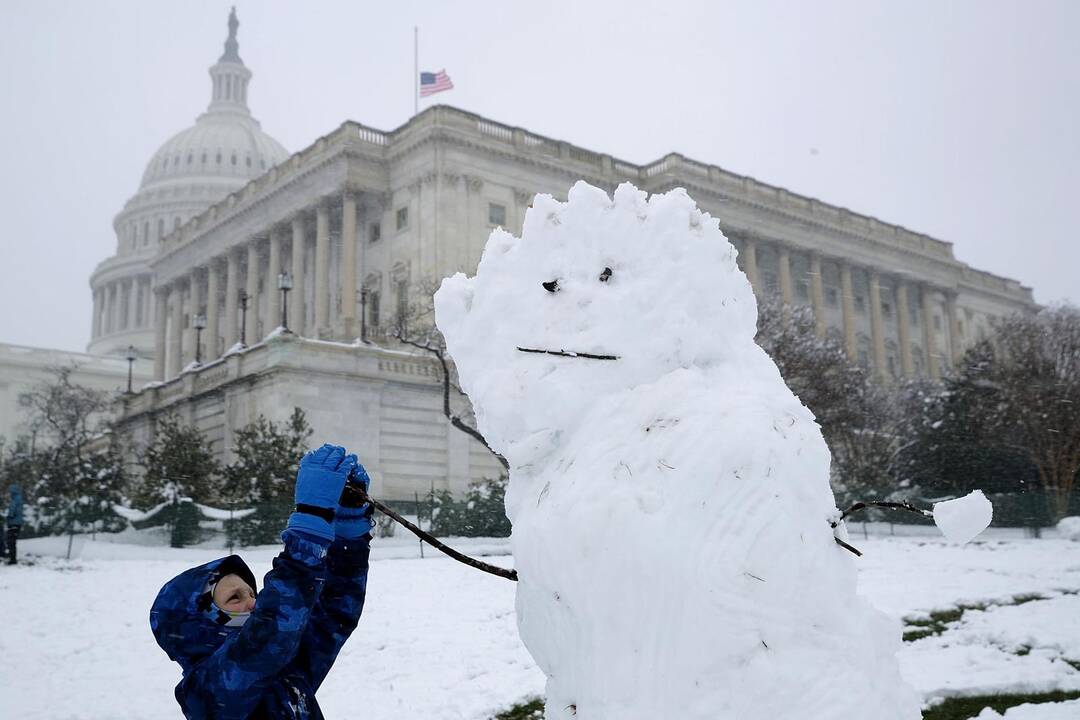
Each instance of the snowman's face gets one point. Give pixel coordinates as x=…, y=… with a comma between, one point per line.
x=596, y=297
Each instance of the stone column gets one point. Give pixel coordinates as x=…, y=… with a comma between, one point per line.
x=115, y=307
x=296, y=315
x=847, y=298
x=132, y=302
x=751, y=267
x=956, y=348
x=817, y=294
x=232, y=291
x=160, y=321
x=213, y=293
x=251, y=326
x=933, y=359
x=95, y=319
x=877, y=327
x=903, y=323
x=192, y=310
x=322, y=268
x=787, y=293
x=273, y=269
x=176, y=336
x=348, y=265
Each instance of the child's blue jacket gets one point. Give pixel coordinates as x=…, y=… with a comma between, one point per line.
x=272, y=666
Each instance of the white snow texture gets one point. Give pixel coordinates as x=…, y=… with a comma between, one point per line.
x=669, y=507
x=960, y=520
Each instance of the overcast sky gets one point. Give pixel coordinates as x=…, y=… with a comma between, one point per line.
x=957, y=119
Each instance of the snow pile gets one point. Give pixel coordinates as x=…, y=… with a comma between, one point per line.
x=1068, y=710
x=1069, y=528
x=670, y=505
x=960, y=520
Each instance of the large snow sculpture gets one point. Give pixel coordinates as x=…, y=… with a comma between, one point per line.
x=669, y=495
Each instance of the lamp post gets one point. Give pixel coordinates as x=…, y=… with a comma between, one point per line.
x=199, y=323
x=363, y=315
x=131, y=356
x=284, y=283
x=243, y=317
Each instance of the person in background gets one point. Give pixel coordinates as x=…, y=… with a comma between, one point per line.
x=248, y=654
x=14, y=522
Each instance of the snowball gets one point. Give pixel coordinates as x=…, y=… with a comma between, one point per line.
x=668, y=493
x=1069, y=528
x=960, y=520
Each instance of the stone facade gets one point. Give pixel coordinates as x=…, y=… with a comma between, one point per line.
x=362, y=218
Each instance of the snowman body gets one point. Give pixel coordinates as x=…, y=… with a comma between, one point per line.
x=669, y=494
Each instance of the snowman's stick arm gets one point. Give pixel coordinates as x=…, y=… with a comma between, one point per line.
x=437, y=544
x=887, y=505
x=874, y=503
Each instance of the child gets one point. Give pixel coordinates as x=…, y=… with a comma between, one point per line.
x=264, y=656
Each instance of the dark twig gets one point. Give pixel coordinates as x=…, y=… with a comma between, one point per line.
x=844, y=545
x=887, y=505
x=438, y=545
x=568, y=353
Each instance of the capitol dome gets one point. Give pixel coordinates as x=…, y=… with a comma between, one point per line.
x=192, y=170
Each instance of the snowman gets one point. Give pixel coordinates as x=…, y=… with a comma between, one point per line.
x=669, y=494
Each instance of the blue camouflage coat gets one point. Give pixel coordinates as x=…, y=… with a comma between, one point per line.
x=15, y=511
x=271, y=666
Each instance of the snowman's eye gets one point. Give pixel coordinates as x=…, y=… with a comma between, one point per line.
x=551, y=286
x=606, y=275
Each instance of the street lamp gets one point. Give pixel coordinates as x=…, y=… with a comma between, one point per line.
x=131, y=356
x=363, y=315
x=243, y=317
x=284, y=283
x=199, y=323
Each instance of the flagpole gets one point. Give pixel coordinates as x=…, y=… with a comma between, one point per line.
x=416, y=70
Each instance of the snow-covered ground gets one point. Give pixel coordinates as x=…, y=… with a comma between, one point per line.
x=438, y=640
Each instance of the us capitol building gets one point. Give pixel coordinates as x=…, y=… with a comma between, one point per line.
x=362, y=219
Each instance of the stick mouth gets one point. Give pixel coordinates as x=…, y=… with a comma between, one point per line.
x=569, y=353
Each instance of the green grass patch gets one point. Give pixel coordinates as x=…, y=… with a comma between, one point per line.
x=964, y=708
x=529, y=710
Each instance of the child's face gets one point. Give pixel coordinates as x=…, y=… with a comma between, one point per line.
x=232, y=594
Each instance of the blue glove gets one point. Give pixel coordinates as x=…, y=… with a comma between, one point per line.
x=319, y=483
x=353, y=519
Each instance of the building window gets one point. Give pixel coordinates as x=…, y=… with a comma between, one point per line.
x=772, y=285
x=25, y=399
x=218, y=158
x=402, y=306
x=373, y=308
x=160, y=228
x=860, y=304
x=913, y=314
x=203, y=158
x=234, y=158
x=374, y=232
x=937, y=322
x=175, y=222
x=402, y=218
x=802, y=291
x=886, y=310
x=146, y=233
x=832, y=297
x=496, y=214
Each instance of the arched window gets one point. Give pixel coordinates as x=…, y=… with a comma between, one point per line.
x=146, y=233
x=176, y=222
x=234, y=159
x=160, y=228
x=218, y=157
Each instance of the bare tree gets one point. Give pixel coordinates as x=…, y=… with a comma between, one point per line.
x=1030, y=371
x=414, y=326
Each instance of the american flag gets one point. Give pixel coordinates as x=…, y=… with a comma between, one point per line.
x=431, y=83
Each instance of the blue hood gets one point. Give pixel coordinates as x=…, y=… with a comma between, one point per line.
x=184, y=619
